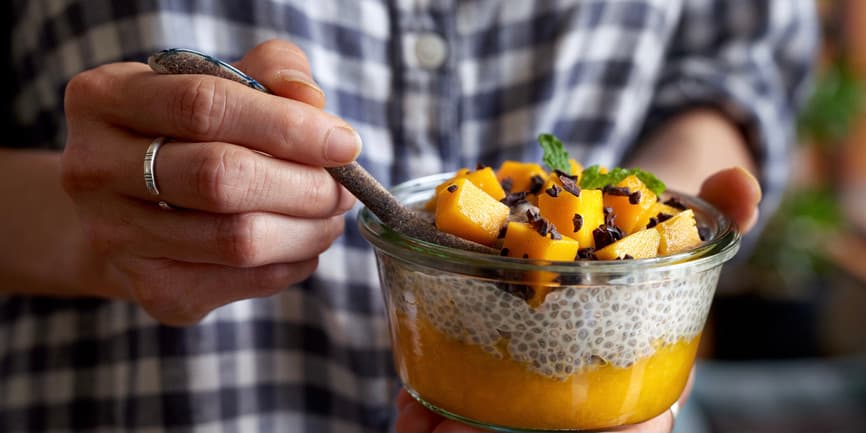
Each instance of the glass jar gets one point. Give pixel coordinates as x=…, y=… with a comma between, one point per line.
x=611, y=344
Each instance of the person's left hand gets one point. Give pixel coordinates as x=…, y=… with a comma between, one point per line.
x=412, y=417
x=736, y=193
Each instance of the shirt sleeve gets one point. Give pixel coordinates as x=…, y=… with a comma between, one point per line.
x=752, y=60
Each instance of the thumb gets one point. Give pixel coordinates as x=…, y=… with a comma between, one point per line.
x=283, y=67
x=736, y=193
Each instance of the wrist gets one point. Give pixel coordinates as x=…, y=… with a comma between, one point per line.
x=691, y=146
x=45, y=252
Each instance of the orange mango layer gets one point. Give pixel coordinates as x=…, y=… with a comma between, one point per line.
x=465, y=380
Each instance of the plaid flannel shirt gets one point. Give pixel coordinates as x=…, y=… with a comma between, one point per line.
x=430, y=85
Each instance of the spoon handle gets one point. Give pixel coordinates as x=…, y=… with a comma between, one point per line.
x=352, y=176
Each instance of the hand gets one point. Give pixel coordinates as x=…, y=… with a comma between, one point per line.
x=412, y=417
x=255, y=208
x=736, y=193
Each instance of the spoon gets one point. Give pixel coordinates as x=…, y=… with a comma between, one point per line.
x=352, y=176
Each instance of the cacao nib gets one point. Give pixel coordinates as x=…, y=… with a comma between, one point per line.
x=514, y=198
x=586, y=254
x=577, y=220
x=605, y=235
x=676, y=203
x=536, y=182
x=570, y=184
x=652, y=222
x=541, y=225
x=617, y=190
x=608, y=216
x=553, y=191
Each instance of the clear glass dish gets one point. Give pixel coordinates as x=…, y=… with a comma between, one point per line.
x=612, y=343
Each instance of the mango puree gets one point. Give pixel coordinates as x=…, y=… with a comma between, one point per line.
x=465, y=380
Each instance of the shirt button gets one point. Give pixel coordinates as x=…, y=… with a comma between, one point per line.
x=431, y=50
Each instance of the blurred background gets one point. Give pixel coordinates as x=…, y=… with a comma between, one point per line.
x=786, y=346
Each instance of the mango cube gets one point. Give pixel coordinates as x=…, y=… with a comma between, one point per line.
x=628, y=209
x=679, y=233
x=652, y=212
x=584, y=212
x=520, y=174
x=522, y=240
x=639, y=245
x=465, y=210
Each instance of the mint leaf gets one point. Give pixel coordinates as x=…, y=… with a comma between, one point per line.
x=592, y=178
x=555, y=155
x=651, y=181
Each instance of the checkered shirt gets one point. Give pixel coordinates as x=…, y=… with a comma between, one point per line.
x=600, y=74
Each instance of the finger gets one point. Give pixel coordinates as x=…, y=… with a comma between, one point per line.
x=415, y=418
x=687, y=391
x=217, y=177
x=662, y=423
x=283, y=68
x=238, y=240
x=736, y=193
x=225, y=178
x=183, y=293
x=404, y=399
x=206, y=108
x=659, y=424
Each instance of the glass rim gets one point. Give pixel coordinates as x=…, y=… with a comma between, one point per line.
x=719, y=249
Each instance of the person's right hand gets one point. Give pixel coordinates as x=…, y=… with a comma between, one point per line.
x=246, y=224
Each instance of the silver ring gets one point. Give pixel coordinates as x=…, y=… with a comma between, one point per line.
x=164, y=205
x=675, y=410
x=150, y=163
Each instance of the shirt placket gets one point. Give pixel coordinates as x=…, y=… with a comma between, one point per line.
x=430, y=100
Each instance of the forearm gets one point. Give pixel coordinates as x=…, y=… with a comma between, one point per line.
x=44, y=251
x=692, y=146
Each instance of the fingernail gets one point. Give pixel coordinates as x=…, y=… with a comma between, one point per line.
x=342, y=145
x=297, y=77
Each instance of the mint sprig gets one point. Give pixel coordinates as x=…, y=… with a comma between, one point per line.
x=555, y=155
x=556, y=158
x=592, y=178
